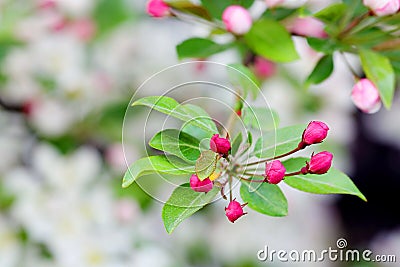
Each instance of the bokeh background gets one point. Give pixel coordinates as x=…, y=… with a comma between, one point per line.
x=68, y=69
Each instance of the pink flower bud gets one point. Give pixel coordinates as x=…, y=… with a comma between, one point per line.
x=84, y=29
x=264, y=68
x=234, y=211
x=383, y=7
x=157, y=8
x=220, y=145
x=200, y=186
x=315, y=132
x=237, y=19
x=308, y=26
x=274, y=172
x=319, y=163
x=273, y=3
x=47, y=4
x=366, y=96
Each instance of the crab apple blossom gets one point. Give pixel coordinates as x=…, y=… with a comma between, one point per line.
x=308, y=26
x=319, y=163
x=315, y=132
x=366, y=96
x=220, y=145
x=264, y=68
x=234, y=210
x=237, y=19
x=274, y=172
x=200, y=186
x=383, y=7
x=157, y=8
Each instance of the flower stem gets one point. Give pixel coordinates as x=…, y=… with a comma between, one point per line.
x=350, y=67
x=353, y=24
x=230, y=188
x=388, y=45
x=250, y=180
x=277, y=157
x=253, y=174
x=293, y=173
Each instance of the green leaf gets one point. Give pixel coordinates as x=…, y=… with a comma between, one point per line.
x=110, y=14
x=189, y=7
x=199, y=48
x=196, y=115
x=327, y=46
x=191, y=128
x=355, y=8
x=278, y=142
x=333, y=182
x=271, y=40
x=322, y=70
x=183, y=203
x=265, y=198
x=156, y=164
x=332, y=13
x=6, y=45
x=237, y=141
x=242, y=77
x=177, y=143
x=278, y=13
x=206, y=164
x=393, y=19
x=379, y=70
x=216, y=8
x=196, y=132
x=259, y=118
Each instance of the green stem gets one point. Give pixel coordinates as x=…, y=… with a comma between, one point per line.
x=353, y=24
x=250, y=180
x=350, y=67
x=293, y=173
x=276, y=157
x=230, y=188
x=253, y=174
x=388, y=45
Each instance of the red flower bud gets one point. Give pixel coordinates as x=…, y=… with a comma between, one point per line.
x=200, y=186
x=157, y=8
x=263, y=68
x=319, y=163
x=234, y=211
x=315, y=132
x=274, y=172
x=220, y=145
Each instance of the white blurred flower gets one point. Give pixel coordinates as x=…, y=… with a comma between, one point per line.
x=9, y=244
x=152, y=256
x=126, y=211
x=293, y=3
x=58, y=55
x=76, y=8
x=51, y=117
x=119, y=157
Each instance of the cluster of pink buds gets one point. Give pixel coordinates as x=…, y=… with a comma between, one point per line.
x=320, y=163
x=275, y=171
x=222, y=146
